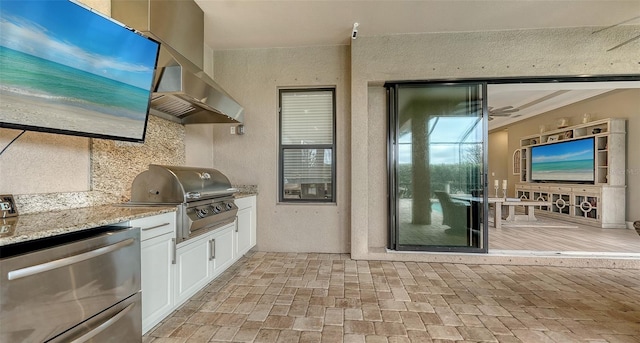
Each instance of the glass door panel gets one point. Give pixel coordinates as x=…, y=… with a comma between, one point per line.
x=437, y=145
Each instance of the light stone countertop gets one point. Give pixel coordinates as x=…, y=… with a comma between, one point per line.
x=47, y=224
x=239, y=195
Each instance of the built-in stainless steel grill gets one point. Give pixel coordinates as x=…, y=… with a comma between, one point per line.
x=204, y=196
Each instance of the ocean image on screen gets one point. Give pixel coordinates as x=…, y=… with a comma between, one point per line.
x=54, y=74
x=565, y=161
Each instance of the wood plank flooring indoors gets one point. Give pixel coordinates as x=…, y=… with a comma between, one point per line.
x=544, y=235
x=554, y=235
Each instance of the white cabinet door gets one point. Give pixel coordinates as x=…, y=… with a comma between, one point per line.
x=192, y=268
x=157, y=279
x=222, y=242
x=157, y=252
x=246, y=221
x=243, y=231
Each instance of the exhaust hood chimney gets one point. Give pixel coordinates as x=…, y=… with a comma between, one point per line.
x=182, y=91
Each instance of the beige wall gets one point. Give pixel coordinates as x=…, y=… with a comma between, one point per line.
x=617, y=104
x=498, y=161
x=44, y=163
x=455, y=55
x=199, y=145
x=253, y=78
x=378, y=211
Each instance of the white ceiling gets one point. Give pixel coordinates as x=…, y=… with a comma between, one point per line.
x=242, y=24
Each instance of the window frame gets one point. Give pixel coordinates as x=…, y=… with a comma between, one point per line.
x=283, y=147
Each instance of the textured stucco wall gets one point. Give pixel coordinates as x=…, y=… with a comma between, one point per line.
x=378, y=211
x=198, y=142
x=43, y=163
x=545, y=52
x=253, y=77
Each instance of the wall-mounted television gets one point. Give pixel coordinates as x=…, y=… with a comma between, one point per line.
x=67, y=69
x=568, y=161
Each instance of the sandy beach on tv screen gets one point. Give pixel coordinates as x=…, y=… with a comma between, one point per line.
x=568, y=176
x=36, y=111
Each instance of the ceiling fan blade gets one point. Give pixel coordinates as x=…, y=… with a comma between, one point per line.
x=504, y=112
x=501, y=109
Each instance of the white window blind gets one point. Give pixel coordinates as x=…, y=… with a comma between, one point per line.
x=307, y=117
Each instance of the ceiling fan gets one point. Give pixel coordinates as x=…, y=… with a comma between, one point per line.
x=505, y=111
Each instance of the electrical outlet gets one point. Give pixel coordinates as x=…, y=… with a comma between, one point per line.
x=7, y=206
x=233, y=130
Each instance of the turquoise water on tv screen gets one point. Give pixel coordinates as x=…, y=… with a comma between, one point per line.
x=31, y=76
x=564, y=161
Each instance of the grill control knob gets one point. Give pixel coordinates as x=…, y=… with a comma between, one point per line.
x=217, y=209
x=229, y=206
x=201, y=213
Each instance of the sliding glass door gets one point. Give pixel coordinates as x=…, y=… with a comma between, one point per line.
x=437, y=135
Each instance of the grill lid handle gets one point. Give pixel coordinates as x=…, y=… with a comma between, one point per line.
x=193, y=195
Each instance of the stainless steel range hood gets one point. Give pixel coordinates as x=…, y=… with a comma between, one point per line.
x=182, y=91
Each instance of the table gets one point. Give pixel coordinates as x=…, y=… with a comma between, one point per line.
x=529, y=210
x=498, y=202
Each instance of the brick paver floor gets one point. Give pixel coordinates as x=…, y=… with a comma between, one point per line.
x=287, y=297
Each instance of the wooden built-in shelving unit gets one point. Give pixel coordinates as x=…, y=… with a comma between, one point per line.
x=601, y=203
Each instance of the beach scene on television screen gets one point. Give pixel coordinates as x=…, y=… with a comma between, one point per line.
x=64, y=67
x=565, y=161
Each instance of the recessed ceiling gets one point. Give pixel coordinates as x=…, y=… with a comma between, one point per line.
x=240, y=24
x=532, y=99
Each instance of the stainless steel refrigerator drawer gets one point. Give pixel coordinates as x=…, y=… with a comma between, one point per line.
x=120, y=323
x=57, y=286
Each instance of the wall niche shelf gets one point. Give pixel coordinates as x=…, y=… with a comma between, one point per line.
x=600, y=204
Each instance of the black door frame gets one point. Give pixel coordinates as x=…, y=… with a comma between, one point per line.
x=392, y=136
x=391, y=87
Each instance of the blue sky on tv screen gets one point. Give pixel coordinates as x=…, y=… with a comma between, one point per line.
x=564, y=151
x=66, y=33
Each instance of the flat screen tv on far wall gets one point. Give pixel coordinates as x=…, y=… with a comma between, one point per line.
x=66, y=69
x=570, y=161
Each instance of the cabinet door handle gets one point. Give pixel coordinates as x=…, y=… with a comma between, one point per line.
x=175, y=253
x=236, y=223
x=155, y=226
x=212, y=248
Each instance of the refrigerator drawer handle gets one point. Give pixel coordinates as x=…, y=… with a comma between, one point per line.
x=89, y=335
x=63, y=262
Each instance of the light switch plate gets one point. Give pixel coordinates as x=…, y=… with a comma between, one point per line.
x=7, y=206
